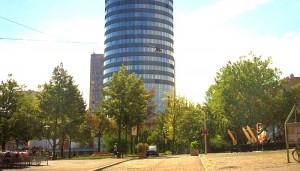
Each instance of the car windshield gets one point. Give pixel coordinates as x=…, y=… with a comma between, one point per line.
x=152, y=147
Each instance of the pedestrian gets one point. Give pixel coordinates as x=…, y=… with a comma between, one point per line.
x=115, y=149
x=74, y=153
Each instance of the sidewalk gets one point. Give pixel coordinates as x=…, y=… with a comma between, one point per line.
x=72, y=165
x=258, y=161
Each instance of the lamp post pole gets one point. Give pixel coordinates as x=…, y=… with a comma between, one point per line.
x=47, y=126
x=164, y=132
x=165, y=137
x=205, y=138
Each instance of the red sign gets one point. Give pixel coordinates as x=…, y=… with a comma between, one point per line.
x=205, y=131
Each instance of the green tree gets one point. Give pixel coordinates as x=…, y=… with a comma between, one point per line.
x=293, y=94
x=179, y=125
x=151, y=103
x=171, y=118
x=191, y=125
x=25, y=121
x=62, y=107
x=143, y=131
x=9, y=99
x=245, y=92
x=125, y=100
x=96, y=124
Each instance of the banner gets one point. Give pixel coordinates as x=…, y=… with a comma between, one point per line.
x=134, y=131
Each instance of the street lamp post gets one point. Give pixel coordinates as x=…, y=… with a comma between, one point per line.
x=47, y=126
x=205, y=133
x=165, y=132
x=164, y=139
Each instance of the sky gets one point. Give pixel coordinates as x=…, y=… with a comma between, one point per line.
x=38, y=35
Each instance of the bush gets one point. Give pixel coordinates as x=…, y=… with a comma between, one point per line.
x=168, y=152
x=110, y=141
x=218, y=144
x=139, y=147
x=195, y=145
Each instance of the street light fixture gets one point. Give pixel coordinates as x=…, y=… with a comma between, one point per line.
x=46, y=126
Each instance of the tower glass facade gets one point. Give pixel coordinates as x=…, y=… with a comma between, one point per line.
x=139, y=35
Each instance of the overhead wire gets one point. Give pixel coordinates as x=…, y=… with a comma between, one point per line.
x=37, y=40
x=42, y=32
x=24, y=26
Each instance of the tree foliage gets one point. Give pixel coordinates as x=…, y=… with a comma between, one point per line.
x=184, y=122
x=10, y=93
x=125, y=101
x=25, y=121
x=246, y=92
x=62, y=106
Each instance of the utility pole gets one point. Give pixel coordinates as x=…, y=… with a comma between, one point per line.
x=205, y=140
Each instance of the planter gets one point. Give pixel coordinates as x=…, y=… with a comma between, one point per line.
x=194, y=152
x=141, y=155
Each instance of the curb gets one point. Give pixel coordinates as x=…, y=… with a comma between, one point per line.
x=110, y=165
x=201, y=164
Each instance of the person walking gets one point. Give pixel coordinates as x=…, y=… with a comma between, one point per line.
x=115, y=149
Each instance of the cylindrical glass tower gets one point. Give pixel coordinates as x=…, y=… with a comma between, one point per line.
x=139, y=35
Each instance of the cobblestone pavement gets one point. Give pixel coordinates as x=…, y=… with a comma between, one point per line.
x=249, y=161
x=246, y=161
x=177, y=162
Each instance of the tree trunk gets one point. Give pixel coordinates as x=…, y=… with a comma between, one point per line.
x=126, y=133
x=119, y=134
x=3, y=146
x=99, y=142
x=137, y=137
x=119, y=131
x=17, y=143
x=70, y=148
x=53, y=149
x=173, y=137
x=131, y=144
x=62, y=148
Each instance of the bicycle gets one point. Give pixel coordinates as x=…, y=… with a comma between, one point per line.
x=296, y=153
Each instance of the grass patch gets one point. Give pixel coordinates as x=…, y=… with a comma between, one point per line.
x=93, y=156
x=131, y=155
x=97, y=156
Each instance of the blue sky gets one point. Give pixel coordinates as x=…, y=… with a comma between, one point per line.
x=208, y=34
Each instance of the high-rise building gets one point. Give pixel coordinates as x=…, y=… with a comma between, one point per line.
x=96, y=80
x=139, y=35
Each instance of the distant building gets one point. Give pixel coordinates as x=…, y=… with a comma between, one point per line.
x=139, y=35
x=291, y=81
x=96, y=80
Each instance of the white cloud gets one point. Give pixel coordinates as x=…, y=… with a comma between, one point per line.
x=222, y=11
x=204, y=42
x=32, y=62
x=285, y=52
